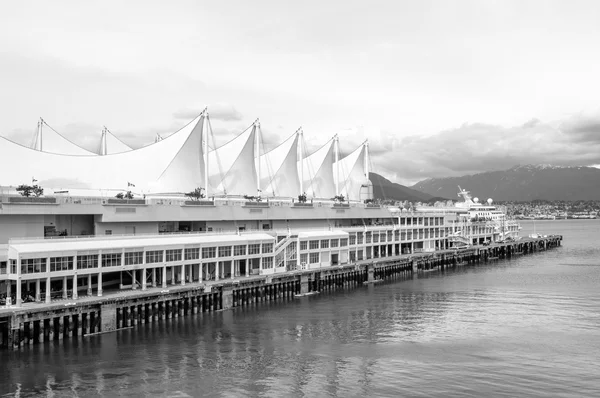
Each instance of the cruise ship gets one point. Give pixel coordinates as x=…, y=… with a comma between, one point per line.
x=181, y=211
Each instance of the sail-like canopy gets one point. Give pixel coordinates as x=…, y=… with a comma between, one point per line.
x=110, y=144
x=352, y=173
x=318, y=172
x=279, y=169
x=48, y=140
x=231, y=167
x=171, y=165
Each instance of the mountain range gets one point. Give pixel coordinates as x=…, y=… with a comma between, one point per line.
x=386, y=190
x=520, y=183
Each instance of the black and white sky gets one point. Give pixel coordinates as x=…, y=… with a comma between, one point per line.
x=440, y=88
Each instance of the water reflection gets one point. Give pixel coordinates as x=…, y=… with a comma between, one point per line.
x=518, y=327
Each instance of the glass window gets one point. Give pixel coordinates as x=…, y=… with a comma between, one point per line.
x=224, y=251
x=336, y=242
x=192, y=253
x=303, y=245
x=108, y=260
x=239, y=250
x=209, y=252
x=313, y=244
x=33, y=265
x=267, y=248
x=343, y=242
x=325, y=244
x=359, y=238
x=267, y=262
x=314, y=258
x=254, y=248
x=375, y=237
x=368, y=237
x=132, y=258
x=352, y=239
x=87, y=261
x=304, y=258
x=173, y=255
x=154, y=256
x=61, y=263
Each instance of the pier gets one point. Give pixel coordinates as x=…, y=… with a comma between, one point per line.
x=40, y=322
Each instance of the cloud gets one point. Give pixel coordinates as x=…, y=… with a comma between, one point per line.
x=479, y=147
x=218, y=111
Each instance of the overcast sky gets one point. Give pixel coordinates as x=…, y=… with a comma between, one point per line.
x=439, y=87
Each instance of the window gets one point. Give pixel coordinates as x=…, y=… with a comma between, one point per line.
x=33, y=265
x=61, y=263
x=154, y=256
x=390, y=235
x=173, y=255
x=254, y=248
x=108, y=260
x=224, y=251
x=313, y=244
x=304, y=258
x=375, y=237
x=13, y=266
x=314, y=258
x=344, y=242
x=267, y=248
x=303, y=245
x=132, y=258
x=396, y=235
x=368, y=237
x=359, y=255
x=267, y=262
x=239, y=250
x=108, y=232
x=325, y=244
x=192, y=253
x=87, y=261
x=352, y=239
x=209, y=252
x=336, y=242
x=359, y=238
x=291, y=251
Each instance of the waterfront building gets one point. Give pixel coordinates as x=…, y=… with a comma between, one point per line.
x=251, y=218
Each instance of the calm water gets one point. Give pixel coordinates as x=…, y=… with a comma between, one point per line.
x=528, y=327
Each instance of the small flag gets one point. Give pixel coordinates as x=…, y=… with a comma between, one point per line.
x=130, y=184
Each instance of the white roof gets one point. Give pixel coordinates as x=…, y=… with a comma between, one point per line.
x=147, y=168
x=278, y=168
x=352, y=173
x=323, y=234
x=92, y=244
x=318, y=172
x=48, y=140
x=110, y=144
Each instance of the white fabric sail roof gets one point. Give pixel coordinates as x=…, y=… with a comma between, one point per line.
x=231, y=167
x=110, y=144
x=48, y=140
x=166, y=166
x=278, y=169
x=318, y=172
x=352, y=173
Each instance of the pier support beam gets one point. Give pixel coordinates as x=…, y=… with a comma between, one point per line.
x=227, y=297
x=304, y=283
x=100, y=284
x=89, y=287
x=164, y=277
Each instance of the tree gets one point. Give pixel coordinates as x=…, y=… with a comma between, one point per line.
x=29, y=190
x=126, y=195
x=196, y=194
x=302, y=198
x=339, y=198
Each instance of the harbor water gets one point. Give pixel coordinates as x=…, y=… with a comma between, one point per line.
x=524, y=327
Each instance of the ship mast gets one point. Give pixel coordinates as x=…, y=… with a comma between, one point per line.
x=257, y=140
x=336, y=149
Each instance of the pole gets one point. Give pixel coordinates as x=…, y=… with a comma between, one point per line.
x=205, y=137
x=257, y=140
x=299, y=149
x=336, y=149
